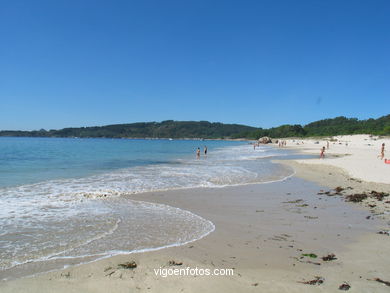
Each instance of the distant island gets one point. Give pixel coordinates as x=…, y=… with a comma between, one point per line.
x=207, y=130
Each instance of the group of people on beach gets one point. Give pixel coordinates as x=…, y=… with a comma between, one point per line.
x=283, y=143
x=198, y=152
x=381, y=155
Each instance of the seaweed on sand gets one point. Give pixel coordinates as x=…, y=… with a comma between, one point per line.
x=128, y=265
x=294, y=201
x=329, y=257
x=387, y=283
x=378, y=195
x=344, y=286
x=175, y=263
x=316, y=281
x=357, y=197
x=384, y=232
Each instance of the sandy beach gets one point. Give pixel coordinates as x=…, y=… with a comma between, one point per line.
x=355, y=154
x=194, y=146
x=296, y=235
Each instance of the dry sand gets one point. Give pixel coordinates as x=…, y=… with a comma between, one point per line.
x=355, y=154
x=261, y=232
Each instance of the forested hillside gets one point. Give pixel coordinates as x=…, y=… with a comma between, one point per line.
x=205, y=129
x=165, y=129
x=326, y=127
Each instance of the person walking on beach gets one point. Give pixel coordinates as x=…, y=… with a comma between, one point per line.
x=205, y=150
x=327, y=145
x=198, y=153
x=322, y=154
x=382, y=154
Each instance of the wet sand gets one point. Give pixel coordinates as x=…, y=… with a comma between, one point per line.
x=262, y=232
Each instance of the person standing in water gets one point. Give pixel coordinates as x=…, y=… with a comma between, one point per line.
x=205, y=150
x=198, y=153
x=322, y=154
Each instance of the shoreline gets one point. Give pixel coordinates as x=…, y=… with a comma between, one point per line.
x=255, y=227
x=139, y=138
x=356, y=154
x=151, y=249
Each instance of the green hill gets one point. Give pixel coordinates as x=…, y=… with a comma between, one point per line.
x=327, y=127
x=165, y=129
x=204, y=129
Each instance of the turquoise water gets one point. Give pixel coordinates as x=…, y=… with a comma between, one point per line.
x=63, y=200
x=28, y=160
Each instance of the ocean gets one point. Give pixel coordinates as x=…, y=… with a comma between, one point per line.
x=67, y=200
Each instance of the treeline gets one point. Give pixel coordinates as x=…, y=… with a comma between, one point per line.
x=205, y=129
x=165, y=129
x=327, y=127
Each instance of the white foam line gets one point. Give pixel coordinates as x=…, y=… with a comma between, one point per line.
x=213, y=185
x=52, y=256
x=114, y=253
x=254, y=183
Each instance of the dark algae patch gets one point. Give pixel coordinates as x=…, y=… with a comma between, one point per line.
x=128, y=265
x=329, y=257
x=316, y=281
x=344, y=286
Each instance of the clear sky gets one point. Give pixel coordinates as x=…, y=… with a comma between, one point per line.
x=261, y=63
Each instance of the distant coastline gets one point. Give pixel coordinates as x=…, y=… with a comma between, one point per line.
x=138, y=138
x=145, y=130
x=171, y=129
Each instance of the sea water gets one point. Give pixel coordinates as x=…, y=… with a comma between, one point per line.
x=65, y=200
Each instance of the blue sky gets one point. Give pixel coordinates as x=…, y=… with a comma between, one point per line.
x=261, y=63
